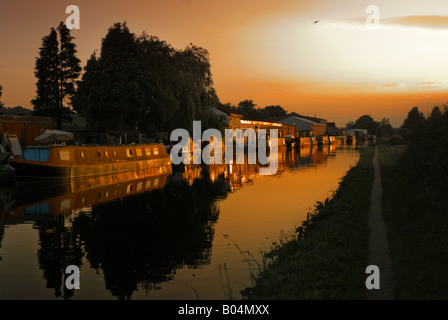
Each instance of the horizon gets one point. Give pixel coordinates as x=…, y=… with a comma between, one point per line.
x=269, y=52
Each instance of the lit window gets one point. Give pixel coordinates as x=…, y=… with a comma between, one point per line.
x=156, y=151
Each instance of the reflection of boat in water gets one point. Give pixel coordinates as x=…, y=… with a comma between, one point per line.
x=67, y=162
x=80, y=193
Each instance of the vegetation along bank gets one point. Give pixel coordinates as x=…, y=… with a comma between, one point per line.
x=327, y=257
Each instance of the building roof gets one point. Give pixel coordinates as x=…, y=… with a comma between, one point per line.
x=302, y=119
x=296, y=115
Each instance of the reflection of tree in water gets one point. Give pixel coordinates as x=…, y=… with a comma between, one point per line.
x=141, y=240
x=59, y=248
x=5, y=202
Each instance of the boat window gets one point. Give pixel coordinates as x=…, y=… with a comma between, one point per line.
x=106, y=154
x=139, y=152
x=115, y=153
x=64, y=155
x=98, y=154
x=36, y=154
x=82, y=154
x=156, y=151
x=148, y=151
x=129, y=152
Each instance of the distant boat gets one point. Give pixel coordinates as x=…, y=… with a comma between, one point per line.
x=322, y=140
x=57, y=162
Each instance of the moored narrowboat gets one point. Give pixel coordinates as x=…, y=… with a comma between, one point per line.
x=323, y=140
x=67, y=162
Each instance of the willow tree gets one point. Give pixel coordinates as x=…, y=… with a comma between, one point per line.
x=56, y=69
x=196, y=94
x=143, y=83
x=159, y=83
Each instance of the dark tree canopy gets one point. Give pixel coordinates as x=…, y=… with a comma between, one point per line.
x=141, y=82
x=248, y=109
x=414, y=116
x=364, y=122
x=429, y=148
x=56, y=69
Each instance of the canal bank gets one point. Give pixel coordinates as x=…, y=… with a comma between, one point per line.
x=329, y=256
x=328, y=259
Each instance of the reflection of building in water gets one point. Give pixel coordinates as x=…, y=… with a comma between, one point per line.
x=192, y=172
x=237, y=174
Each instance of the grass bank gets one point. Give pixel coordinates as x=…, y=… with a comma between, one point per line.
x=327, y=259
x=417, y=223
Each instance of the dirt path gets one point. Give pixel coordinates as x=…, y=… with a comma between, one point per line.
x=378, y=244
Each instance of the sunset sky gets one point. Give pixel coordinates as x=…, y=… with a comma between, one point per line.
x=267, y=51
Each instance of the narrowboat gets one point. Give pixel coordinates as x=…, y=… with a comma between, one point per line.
x=305, y=141
x=57, y=162
x=323, y=140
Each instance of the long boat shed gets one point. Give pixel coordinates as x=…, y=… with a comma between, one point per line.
x=302, y=124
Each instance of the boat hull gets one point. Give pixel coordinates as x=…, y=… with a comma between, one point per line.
x=53, y=170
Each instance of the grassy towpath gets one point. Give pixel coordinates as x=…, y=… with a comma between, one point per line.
x=379, y=255
x=328, y=257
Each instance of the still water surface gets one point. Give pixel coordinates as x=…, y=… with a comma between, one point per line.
x=162, y=237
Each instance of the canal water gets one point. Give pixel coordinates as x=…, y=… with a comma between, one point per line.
x=196, y=234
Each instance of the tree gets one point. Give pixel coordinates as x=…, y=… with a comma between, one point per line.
x=142, y=82
x=436, y=114
x=47, y=72
x=196, y=96
x=385, y=128
x=1, y=92
x=247, y=109
x=274, y=112
x=413, y=118
x=364, y=122
x=56, y=69
x=86, y=99
x=69, y=71
x=159, y=83
x=110, y=92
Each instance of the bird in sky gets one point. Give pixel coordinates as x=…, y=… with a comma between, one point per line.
x=316, y=21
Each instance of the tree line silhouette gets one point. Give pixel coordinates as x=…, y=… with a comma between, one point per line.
x=135, y=82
